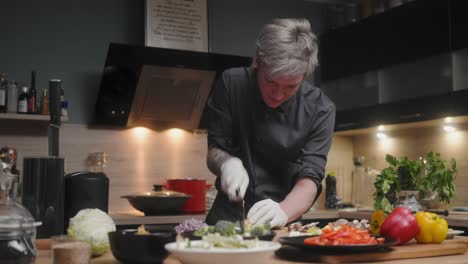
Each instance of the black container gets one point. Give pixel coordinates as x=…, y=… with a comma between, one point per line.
x=84, y=190
x=15, y=254
x=42, y=192
x=128, y=247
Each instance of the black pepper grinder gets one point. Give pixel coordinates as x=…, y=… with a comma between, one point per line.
x=331, y=199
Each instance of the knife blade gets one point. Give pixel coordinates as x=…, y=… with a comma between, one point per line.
x=242, y=205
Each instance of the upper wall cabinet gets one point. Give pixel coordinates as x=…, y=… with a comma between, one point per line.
x=459, y=23
x=411, y=31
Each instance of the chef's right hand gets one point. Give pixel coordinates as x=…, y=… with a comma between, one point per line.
x=234, y=179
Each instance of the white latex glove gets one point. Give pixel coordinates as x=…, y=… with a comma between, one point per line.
x=234, y=179
x=267, y=211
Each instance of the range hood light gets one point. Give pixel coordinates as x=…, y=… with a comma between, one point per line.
x=380, y=128
x=448, y=120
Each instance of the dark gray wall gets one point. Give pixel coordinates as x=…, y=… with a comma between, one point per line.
x=234, y=25
x=68, y=40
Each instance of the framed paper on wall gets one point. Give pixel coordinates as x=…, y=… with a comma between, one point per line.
x=177, y=24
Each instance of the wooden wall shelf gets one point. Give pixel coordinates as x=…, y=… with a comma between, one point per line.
x=13, y=116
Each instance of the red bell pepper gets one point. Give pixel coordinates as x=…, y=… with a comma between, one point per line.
x=400, y=225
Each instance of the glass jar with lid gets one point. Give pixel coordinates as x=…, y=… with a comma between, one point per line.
x=97, y=161
x=17, y=228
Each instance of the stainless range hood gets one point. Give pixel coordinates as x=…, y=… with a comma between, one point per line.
x=170, y=97
x=158, y=88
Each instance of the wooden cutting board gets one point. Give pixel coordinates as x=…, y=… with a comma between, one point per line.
x=408, y=251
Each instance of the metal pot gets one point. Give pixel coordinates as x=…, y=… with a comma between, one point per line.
x=194, y=187
x=161, y=202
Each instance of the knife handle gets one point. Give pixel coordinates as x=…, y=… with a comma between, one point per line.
x=439, y=212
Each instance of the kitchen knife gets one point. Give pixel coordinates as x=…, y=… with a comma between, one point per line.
x=242, y=204
x=439, y=212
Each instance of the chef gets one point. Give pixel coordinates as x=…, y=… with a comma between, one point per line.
x=270, y=130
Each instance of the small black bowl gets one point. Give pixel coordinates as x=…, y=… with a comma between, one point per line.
x=128, y=247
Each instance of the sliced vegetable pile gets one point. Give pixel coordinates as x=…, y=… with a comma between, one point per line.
x=227, y=228
x=345, y=235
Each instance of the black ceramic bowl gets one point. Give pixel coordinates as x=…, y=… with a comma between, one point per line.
x=127, y=247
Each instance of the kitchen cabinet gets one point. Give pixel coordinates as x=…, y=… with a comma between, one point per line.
x=459, y=24
x=405, y=111
x=405, y=33
x=407, y=64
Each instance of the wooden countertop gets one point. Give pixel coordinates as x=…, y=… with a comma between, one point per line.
x=137, y=218
x=44, y=258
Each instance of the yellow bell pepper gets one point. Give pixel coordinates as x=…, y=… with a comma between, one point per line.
x=433, y=229
x=377, y=219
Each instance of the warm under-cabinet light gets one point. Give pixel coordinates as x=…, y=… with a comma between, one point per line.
x=380, y=128
x=175, y=133
x=449, y=129
x=381, y=136
x=448, y=120
x=140, y=132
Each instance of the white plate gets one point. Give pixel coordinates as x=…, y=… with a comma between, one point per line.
x=260, y=254
x=452, y=233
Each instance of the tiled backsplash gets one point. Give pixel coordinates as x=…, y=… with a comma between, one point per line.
x=139, y=157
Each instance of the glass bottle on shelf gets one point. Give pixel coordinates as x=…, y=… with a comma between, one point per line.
x=12, y=97
x=44, y=103
x=3, y=93
x=23, y=100
x=32, y=95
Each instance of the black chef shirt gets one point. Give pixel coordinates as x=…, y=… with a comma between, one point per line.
x=277, y=146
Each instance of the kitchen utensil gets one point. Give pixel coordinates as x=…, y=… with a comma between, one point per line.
x=128, y=247
x=242, y=208
x=198, y=255
x=451, y=233
x=298, y=242
x=158, y=202
x=17, y=227
x=439, y=212
x=83, y=190
x=196, y=188
x=407, y=251
x=43, y=193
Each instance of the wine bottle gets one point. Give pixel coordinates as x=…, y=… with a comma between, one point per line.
x=3, y=93
x=32, y=94
x=23, y=100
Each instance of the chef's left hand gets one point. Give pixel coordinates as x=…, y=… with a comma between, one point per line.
x=267, y=211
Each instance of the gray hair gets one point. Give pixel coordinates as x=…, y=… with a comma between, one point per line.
x=287, y=47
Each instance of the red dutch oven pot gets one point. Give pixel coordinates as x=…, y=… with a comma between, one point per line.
x=193, y=187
